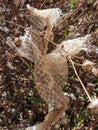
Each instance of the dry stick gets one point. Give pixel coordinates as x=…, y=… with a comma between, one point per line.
x=43, y=4
x=60, y=50
x=59, y=2
x=73, y=12
x=2, y=38
x=47, y=31
x=10, y=22
x=70, y=14
x=80, y=79
x=25, y=63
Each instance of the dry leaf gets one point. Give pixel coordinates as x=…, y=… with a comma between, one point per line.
x=95, y=71
x=88, y=65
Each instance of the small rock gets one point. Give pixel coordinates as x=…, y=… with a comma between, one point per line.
x=57, y=126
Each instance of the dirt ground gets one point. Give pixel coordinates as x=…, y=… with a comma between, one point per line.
x=20, y=104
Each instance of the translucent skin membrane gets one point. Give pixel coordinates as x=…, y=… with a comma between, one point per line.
x=50, y=69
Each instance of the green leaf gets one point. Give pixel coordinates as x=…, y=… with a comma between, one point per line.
x=32, y=74
x=80, y=117
x=36, y=100
x=66, y=33
x=54, y=1
x=31, y=65
x=73, y=4
x=90, y=1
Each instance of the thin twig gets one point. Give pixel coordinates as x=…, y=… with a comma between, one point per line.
x=43, y=4
x=80, y=79
x=10, y=22
x=3, y=38
x=70, y=14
